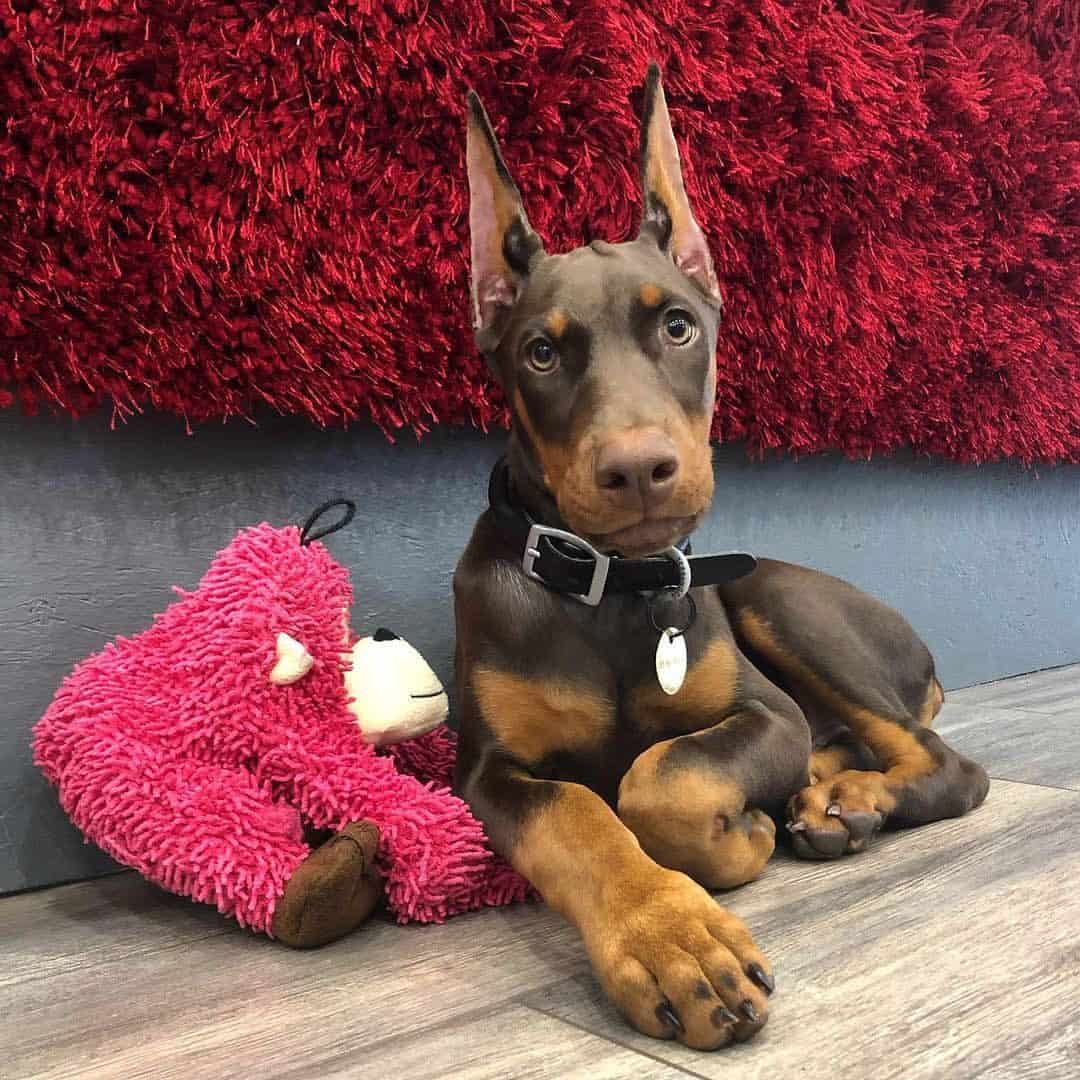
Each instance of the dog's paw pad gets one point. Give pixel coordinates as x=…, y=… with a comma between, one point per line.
x=839, y=816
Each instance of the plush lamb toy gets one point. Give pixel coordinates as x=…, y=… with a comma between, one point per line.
x=209, y=751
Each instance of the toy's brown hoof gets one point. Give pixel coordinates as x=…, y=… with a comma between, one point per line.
x=332, y=891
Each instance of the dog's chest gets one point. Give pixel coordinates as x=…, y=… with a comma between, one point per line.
x=642, y=712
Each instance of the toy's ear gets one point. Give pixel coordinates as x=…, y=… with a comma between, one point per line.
x=668, y=217
x=502, y=240
x=293, y=661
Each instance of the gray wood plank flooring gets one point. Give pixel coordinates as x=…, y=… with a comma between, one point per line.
x=1015, y=744
x=1056, y=690
x=909, y=961
x=949, y=951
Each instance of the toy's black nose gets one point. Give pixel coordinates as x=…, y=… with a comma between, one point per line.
x=639, y=467
x=382, y=634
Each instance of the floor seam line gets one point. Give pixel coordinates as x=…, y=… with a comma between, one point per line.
x=467, y=1016
x=117, y=959
x=613, y=1041
x=1020, y=675
x=997, y=708
x=1035, y=784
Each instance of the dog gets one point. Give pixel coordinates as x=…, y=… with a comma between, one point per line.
x=631, y=749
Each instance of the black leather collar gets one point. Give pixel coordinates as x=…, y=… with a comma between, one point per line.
x=567, y=564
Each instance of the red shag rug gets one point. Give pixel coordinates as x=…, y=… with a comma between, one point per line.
x=211, y=207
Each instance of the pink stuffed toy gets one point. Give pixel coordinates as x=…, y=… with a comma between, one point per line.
x=207, y=750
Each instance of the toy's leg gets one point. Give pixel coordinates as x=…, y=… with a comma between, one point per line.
x=333, y=890
x=199, y=830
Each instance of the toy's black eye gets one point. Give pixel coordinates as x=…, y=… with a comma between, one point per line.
x=679, y=327
x=543, y=356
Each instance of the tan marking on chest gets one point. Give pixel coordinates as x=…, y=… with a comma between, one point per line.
x=532, y=718
x=708, y=692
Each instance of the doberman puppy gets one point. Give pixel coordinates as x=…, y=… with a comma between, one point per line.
x=802, y=698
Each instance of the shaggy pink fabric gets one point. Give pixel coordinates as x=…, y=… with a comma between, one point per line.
x=174, y=753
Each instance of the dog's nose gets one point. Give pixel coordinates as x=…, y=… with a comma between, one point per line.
x=639, y=467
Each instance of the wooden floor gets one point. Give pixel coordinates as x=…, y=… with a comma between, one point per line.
x=951, y=951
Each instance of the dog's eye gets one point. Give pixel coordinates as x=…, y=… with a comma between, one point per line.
x=543, y=356
x=679, y=327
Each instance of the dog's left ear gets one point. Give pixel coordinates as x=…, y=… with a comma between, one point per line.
x=668, y=217
x=503, y=242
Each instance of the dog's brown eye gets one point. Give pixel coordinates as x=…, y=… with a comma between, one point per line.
x=543, y=356
x=679, y=327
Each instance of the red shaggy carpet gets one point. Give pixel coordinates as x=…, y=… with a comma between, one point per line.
x=214, y=206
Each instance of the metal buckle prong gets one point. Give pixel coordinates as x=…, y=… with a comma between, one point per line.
x=601, y=562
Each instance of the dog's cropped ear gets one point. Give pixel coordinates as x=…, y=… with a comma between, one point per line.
x=668, y=217
x=503, y=242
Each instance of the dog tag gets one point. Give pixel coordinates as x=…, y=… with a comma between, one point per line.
x=671, y=660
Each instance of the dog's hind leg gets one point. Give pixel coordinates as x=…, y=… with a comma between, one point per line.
x=845, y=654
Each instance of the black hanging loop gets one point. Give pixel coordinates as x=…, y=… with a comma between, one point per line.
x=308, y=534
x=691, y=612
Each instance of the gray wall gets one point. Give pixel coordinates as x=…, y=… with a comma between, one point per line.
x=96, y=525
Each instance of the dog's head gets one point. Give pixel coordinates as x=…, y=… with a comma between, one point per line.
x=606, y=354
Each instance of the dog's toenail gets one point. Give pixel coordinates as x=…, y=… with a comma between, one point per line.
x=834, y=810
x=762, y=978
x=796, y=826
x=668, y=1015
x=749, y=1012
x=722, y=1016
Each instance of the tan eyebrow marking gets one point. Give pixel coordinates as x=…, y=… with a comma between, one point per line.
x=651, y=295
x=556, y=323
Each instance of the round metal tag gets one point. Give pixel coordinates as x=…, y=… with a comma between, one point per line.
x=671, y=660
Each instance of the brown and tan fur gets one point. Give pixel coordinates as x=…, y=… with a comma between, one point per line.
x=805, y=701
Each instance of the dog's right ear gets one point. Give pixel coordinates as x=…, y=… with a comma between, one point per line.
x=503, y=242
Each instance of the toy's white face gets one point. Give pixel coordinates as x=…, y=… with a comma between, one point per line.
x=395, y=693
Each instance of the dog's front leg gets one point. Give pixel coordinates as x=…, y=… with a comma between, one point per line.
x=701, y=802
x=671, y=959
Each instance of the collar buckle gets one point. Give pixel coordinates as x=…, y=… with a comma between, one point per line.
x=601, y=562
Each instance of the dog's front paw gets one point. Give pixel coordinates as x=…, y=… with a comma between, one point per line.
x=838, y=816
x=676, y=964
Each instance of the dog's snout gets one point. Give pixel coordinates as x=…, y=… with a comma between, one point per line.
x=639, y=467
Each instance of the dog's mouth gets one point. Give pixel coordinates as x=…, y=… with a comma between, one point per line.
x=646, y=537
